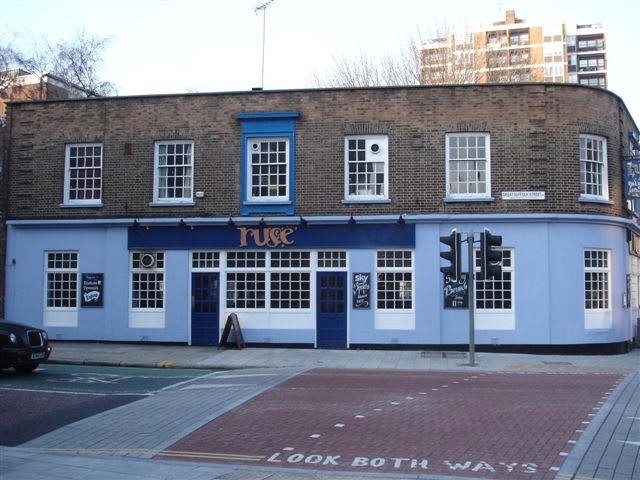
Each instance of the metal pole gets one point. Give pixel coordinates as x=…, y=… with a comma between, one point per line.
x=264, y=23
x=470, y=289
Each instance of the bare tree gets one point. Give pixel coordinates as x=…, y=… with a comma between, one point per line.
x=365, y=70
x=448, y=56
x=76, y=62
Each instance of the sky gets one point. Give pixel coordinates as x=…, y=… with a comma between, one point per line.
x=176, y=46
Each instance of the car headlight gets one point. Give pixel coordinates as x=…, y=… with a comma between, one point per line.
x=13, y=338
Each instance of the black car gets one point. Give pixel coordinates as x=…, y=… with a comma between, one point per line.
x=22, y=347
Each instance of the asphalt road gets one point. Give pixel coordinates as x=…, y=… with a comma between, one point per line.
x=57, y=395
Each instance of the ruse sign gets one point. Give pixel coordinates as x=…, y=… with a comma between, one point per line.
x=265, y=237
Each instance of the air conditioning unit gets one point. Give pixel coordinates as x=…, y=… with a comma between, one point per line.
x=147, y=260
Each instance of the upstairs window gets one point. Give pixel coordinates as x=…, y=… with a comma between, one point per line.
x=366, y=168
x=173, y=178
x=267, y=172
x=268, y=169
x=83, y=174
x=468, y=165
x=593, y=168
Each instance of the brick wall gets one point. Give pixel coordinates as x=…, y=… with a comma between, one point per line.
x=534, y=147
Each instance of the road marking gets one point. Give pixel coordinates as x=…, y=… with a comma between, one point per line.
x=339, y=425
x=211, y=456
x=634, y=418
x=216, y=385
x=314, y=435
x=168, y=453
x=637, y=444
x=359, y=416
x=222, y=375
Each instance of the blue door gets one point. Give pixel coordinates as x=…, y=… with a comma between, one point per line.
x=204, y=308
x=331, y=311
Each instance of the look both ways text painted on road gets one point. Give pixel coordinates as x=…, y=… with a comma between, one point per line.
x=399, y=463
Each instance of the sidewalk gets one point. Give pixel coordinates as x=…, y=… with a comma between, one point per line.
x=178, y=356
x=609, y=448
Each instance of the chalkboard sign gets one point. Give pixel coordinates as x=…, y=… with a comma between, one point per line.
x=92, y=290
x=232, y=323
x=456, y=293
x=632, y=178
x=362, y=290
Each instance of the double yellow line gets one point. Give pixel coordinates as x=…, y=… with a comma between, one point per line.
x=211, y=456
x=162, y=453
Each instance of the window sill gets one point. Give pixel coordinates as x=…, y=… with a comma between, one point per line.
x=189, y=203
x=587, y=199
x=467, y=199
x=266, y=202
x=347, y=201
x=81, y=205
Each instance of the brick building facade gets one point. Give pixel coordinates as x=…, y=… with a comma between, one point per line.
x=287, y=206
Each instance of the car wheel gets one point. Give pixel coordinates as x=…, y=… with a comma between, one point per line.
x=26, y=368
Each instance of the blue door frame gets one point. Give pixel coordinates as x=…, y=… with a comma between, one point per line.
x=204, y=308
x=331, y=310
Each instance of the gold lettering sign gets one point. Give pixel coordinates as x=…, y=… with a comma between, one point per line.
x=265, y=237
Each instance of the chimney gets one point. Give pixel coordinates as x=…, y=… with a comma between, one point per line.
x=511, y=17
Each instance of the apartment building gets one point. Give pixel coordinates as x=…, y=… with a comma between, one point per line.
x=316, y=216
x=514, y=50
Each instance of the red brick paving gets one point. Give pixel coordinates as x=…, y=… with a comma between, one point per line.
x=490, y=425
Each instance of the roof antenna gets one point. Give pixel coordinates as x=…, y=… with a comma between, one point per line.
x=263, y=6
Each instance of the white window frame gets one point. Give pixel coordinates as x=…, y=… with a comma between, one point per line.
x=68, y=175
x=599, y=317
x=185, y=198
x=205, y=261
x=395, y=318
x=249, y=266
x=298, y=263
x=584, y=161
x=332, y=260
x=496, y=318
x=64, y=315
x=147, y=317
x=251, y=150
x=487, y=171
x=376, y=156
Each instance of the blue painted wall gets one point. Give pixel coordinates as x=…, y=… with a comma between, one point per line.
x=549, y=285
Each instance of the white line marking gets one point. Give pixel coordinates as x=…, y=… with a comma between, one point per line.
x=315, y=435
x=637, y=444
x=247, y=375
x=339, y=425
x=288, y=449
x=359, y=416
x=216, y=385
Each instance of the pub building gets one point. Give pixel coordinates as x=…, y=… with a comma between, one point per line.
x=316, y=216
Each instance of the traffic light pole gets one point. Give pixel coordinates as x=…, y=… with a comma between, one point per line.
x=470, y=289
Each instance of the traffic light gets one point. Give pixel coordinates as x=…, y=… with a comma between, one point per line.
x=490, y=258
x=454, y=255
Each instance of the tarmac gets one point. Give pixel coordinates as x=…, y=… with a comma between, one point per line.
x=608, y=449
